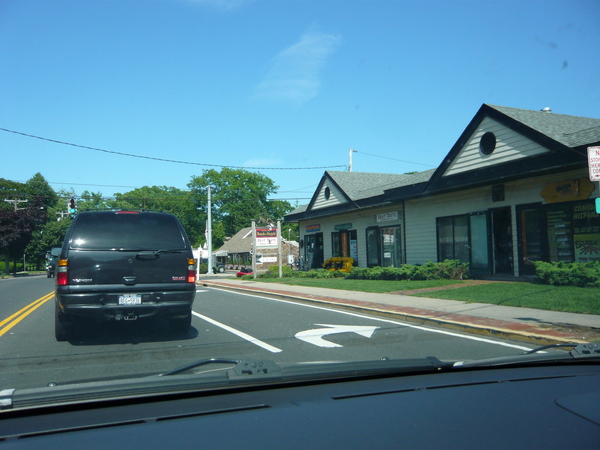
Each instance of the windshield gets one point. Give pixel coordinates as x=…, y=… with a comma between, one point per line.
x=295, y=184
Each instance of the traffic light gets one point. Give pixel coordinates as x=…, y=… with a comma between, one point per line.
x=72, y=206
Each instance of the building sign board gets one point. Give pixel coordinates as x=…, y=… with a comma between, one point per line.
x=567, y=190
x=387, y=217
x=343, y=226
x=313, y=228
x=266, y=237
x=594, y=163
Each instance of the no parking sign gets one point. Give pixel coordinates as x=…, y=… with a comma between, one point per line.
x=594, y=166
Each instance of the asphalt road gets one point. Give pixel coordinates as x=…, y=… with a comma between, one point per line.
x=225, y=324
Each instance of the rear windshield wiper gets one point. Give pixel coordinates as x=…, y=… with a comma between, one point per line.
x=144, y=251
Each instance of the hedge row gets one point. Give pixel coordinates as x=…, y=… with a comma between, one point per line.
x=568, y=274
x=447, y=270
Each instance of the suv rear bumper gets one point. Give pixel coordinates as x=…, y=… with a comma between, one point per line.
x=106, y=306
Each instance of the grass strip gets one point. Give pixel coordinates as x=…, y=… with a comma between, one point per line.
x=373, y=286
x=528, y=295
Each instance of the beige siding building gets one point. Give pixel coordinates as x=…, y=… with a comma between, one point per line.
x=513, y=190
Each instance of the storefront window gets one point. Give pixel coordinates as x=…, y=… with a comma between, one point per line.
x=391, y=251
x=560, y=232
x=586, y=232
x=453, y=238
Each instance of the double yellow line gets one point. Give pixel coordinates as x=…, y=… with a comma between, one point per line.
x=11, y=321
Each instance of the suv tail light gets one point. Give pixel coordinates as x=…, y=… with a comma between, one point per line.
x=62, y=272
x=191, y=277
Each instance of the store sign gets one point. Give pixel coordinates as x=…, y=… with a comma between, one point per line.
x=313, y=228
x=567, y=190
x=594, y=163
x=387, y=217
x=343, y=226
x=266, y=237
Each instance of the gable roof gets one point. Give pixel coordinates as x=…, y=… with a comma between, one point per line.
x=359, y=190
x=571, y=131
x=241, y=242
x=558, y=141
x=549, y=143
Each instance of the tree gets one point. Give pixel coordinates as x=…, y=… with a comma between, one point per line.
x=168, y=199
x=16, y=228
x=92, y=201
x=238, y=196
x=38, y=187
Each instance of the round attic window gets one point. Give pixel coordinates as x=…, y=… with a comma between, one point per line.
x=487, y=144
x=327, y=193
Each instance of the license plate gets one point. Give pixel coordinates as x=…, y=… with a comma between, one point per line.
x=130, y=299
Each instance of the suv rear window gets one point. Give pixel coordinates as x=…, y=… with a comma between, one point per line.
x=131, y=231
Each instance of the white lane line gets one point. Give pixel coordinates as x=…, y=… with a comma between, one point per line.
x=405, y=324
x=239, y=333
x=202, y=290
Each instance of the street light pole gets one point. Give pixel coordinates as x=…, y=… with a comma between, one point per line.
x=209, y=232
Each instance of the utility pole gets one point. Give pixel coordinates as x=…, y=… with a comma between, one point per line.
x=279, y=253
x=350, y=151
x=16, y=203
x=209, y=231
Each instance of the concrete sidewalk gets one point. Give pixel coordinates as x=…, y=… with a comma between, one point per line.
x=523, y=324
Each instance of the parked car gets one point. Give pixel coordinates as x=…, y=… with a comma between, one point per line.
x=124, y=265
x=244, y=271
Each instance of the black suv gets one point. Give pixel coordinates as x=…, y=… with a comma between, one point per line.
x=124, y=265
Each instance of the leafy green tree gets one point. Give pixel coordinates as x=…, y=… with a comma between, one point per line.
x=38, y=187
x=238, y=196
x=17, y=224
x=92, y=201
x=168, y=199
x=50, y=235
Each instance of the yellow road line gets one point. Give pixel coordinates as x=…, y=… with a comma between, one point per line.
x=11, y=321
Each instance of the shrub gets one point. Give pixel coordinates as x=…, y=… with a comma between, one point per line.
x=568, y=274
x=447, y=270
x=273, y=272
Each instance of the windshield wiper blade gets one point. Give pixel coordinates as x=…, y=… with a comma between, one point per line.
x=200, y=363
x=579, y=352
x=241, y=368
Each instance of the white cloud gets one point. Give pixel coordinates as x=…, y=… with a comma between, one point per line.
x=294, y=74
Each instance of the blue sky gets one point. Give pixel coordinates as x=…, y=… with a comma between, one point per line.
x=278, y=85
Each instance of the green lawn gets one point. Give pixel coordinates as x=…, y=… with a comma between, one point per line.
x=379, y=287
x=529, y=295
x=537, y=296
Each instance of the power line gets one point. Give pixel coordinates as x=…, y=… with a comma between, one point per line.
x=163, y=159
x=394, y=159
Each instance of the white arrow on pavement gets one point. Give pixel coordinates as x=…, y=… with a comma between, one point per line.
x=315, y=336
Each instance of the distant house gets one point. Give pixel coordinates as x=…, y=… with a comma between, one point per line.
x=237, y=251
x=514, y=189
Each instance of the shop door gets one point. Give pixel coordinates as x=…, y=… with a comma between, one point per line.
x=479, y=244
x=502, y=241
x=532, y=237
x=391, y=253
x=313, y=250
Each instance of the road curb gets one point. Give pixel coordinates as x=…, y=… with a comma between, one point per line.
x=528, y=333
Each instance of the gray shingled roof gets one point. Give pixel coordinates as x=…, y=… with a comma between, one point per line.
x=572, y=131
x=241, y=242
x=361, y=185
